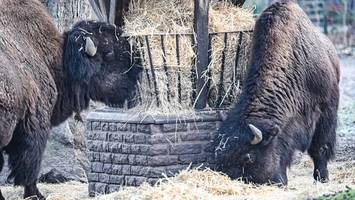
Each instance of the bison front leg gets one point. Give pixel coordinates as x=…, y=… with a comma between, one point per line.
x=25, y=155
x=323, y=144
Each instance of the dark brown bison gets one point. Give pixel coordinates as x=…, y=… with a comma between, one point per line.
x=45, y=77
x=289, y=100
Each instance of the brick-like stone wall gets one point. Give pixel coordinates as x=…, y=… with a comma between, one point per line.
x=128, y=149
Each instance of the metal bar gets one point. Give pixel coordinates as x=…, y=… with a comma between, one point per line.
x=103, y=9
x=97, y=11
x=144, y=61
x=209, y=74
x=221, y=78
x=152, y=70
x=240, y=39
x=201, y=31
x=186, y=34
x=165, y=66
x=112, y=15
x=177, y=42
x=193, y=71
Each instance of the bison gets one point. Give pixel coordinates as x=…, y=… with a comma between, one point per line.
x=289, y=101
x=46, y=76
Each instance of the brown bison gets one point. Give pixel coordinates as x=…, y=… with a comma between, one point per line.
x=289, y=100
x=45, y=77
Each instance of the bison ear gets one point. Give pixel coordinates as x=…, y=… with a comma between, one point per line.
x=78, y=62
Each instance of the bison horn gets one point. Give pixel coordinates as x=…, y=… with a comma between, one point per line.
x=258, y=135
x=90, y=47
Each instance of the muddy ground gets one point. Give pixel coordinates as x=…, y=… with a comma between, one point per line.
x=301, y=185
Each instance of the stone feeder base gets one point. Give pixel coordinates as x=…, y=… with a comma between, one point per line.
x=127, y=150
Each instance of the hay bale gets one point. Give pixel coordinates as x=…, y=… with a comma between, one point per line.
x=174, y=67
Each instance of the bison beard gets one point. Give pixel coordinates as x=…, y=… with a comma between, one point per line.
x=45, y=77
x=289, y=101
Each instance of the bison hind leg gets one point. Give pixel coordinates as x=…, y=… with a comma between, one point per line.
x=1, y=166
x=323, y=144
x=25, y=156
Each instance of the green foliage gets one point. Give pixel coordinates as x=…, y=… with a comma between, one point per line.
x=346, y=195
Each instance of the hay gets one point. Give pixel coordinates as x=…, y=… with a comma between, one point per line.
x=207, y=184
x=171, y=18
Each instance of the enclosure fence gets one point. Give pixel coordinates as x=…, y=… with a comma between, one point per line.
x=170, y=73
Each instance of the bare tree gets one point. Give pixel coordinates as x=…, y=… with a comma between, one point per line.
x=67, y=12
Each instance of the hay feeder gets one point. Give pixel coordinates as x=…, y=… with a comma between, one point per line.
x=189, y=79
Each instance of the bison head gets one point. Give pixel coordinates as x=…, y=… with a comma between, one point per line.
x=249, y=151
x=100, y=64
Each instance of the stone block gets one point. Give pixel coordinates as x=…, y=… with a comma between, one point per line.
x=128, y=138
x=195, y=158
x=126, y=148
x=104, y=126
x=133, y=128
x=93, y=177
x=140, y=139
x=96, y=126
x=112, y=127
x=107, y=168
x=163, y=160
x=106, y=157
x=94, y=156
x=173, y=170
x=134, y=180
x=210, y=126
x=179, y=149
x=195, y=136
x=101, y=188
x=114, y=147
x=159, y=149
x=88, y=126
x=115, y=137
x=140, y=149
x=164, y=138
x=104, y=178
x=156, y=172
x=97, y=135
x=178, y=127
x=122, y=127
x=116, y=179
x=94, y=145
x=97, y=167
x=140, y=170
x=120, y=158
x=113, y=188
x=126, y=169
x=116, y=169
x=143, y=128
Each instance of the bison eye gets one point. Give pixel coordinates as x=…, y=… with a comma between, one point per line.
x=247, y=158
x=109, y=56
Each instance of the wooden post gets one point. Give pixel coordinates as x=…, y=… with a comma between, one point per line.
x=239, y=3
x=121, y=7
x=201, y=31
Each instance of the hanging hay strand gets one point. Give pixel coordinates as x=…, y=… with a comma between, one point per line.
x=169, y=52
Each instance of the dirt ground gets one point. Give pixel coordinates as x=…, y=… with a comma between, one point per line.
x=301, y=185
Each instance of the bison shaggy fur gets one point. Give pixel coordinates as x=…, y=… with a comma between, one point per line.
x=46, y=76
x=289, y=100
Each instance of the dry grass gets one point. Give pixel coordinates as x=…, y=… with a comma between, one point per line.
x=207, y=184
x=152, y=17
